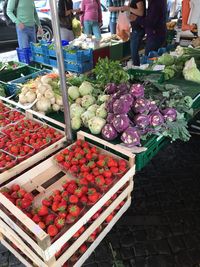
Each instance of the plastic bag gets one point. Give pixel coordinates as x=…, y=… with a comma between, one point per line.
x=76, y=27
x=123, y=26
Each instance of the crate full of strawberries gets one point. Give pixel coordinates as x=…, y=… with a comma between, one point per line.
x=59, y=215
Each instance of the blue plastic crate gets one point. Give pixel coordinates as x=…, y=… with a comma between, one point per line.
x=78, y=68
x=41, y=59
x=24, y=55
x=53, y=62
x=152, y=54
x=42, y=49
x=79, y=56
x=162, y=50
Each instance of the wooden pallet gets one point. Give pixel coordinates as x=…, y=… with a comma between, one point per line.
x=40, y=250
x=30, y=114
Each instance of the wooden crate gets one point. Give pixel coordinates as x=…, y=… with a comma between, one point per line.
x=30, y=114
x=40, y=250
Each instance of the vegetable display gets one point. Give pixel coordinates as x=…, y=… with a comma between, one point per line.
x=44, y=92
x=136, y=113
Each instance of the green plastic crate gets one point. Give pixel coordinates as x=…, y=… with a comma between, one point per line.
x=15, y=74
x=153, y=145
x=136, y=74
x=18, y=66
x=116, y=51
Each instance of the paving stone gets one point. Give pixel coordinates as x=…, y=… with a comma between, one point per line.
x=176, y=243
x=195, y=256
x=13, y=261
x=127, y=253
x=183, y=259
x=160, y=261
x=162, y=247
x=4, y=260
x=140, y=236
x=2, y=249
x=140, y=249
x=127, y=240
x=191, y=241
x=139, y=262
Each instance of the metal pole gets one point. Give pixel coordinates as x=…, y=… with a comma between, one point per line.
x=61, y=68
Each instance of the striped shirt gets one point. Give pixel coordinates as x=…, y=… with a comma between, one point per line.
x=115, y=3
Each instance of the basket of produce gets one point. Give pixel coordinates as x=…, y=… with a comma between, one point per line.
x=51, y=221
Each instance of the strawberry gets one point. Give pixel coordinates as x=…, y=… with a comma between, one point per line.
x=79, y=142
x=84, y=199
x=36, y=218
x=52, y=230
x=73, y=199
x=108, y=181
x=54, y=206
x=84, y=189
x=93, y=197
x=74, y=161
x=109, y=218
x=62, y=214
x=107, y=174
x=46, y=202
x=29, y=196
x=91, y=238
x=60, y=157
x=13, y=195
x=65, y=195
x=74, y=210
x=65, y=151
x=112, y=163
x=85, y=144
x=57, y=198
x=123, y=163
x=42, y=225
x=74, y=169
x=99, y=180
x=82, y=248
x=25, y=203
x=59, y=222
x=84, y=168
x=70, y=218
x=15, y=187
x=62, y=206
x=50, y=219
x=101, y=163
x=67, y=165
x=88, y=156
x=114, y=170
x=90, y=177
x=72, y=187
x=95, y=171
x=43, y=211
x=91, y=164
x=56, y=192
x=21, y=192
x=82, y=161
x=78, y=192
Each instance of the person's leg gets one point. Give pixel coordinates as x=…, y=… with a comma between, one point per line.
x=87, y=27
x=31, y=34
x=22, y=37
x=136, y=38
x=96, y=30
x=113, y=26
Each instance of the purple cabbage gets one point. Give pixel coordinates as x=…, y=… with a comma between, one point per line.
x=121, y=122
x=140, y=105
x=142, y=120
x=131, y=136
x=137, y=90
x=156, y=119
x=120, y=107
x=110, y=117
x=108, y=132
x=169, y=114
x=109, y=105
x=123, y=88
x=111, y=88
x=117, y=95
x=152, y=106
x=127, y=98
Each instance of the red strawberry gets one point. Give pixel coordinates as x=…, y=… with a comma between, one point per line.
x=73, y=199
x=43, y=211
x=29, y=196
x=67, y=165
x=109, y=218
x=42, y=225
x=50, y=219
x=122, y=162
x=72, y=187
x=52, y=230
x=82, y=161
x=91, y=238
x=84, y=189
x=13, y=195
x=84, y=199
x=36, y=218
x=90, y=177
x=25, y=203
x=59, y=222
x=46, y=202
x=60, y=157
x=78, y=192
x=74, y=210
x=62, y=214
x=99, y=180
x=101, y=163
x=70, y=218
x=85, y=168
x=114, y=170
x=54, y=206
x=107, y=173
x=62, y=206
x=21, y=192
x=57, y=198
x=15, y=187
x=82, y=248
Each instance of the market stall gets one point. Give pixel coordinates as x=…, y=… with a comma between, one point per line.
x=59, y=198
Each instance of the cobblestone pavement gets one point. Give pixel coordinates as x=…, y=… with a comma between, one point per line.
x=162, y=226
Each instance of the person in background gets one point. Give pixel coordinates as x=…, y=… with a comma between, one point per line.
x=115, y=6
x=137, y=8
x=154, y=23
x=65, y=14
x=25, y=19
x=91, y=18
